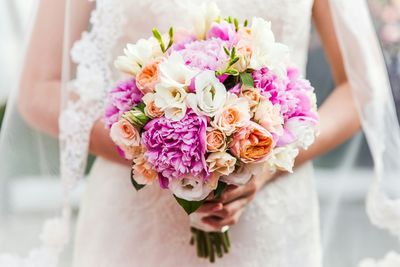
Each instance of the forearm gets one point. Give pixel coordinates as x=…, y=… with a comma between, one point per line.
x=43, y=115
x=338, y=122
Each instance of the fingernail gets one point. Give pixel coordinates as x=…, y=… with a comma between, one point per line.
x=217, y=207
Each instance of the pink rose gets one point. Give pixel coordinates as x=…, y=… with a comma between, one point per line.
x=252, y=143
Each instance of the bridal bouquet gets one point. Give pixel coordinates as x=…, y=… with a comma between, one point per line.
x=203, y=108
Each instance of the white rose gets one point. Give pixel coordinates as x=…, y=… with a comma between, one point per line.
x=138, y=55
x=190, y=188
x=265, y=51
x=282, y=158
x=234, y=114
x=203, y=16
x=303, y=130
x=210, y=94
x=221, y=162
x=239, y=177
x=171, y=100
x=269, y=116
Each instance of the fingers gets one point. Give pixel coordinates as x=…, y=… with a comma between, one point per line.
x=234, y=192
x=227, y=216
x=210, y=207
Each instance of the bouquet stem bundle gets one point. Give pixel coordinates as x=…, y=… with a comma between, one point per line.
x=210, y=244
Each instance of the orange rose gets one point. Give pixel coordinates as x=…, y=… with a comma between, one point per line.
x=143, y=173
x=252, y=143
x=216, y=140
x=147, y=78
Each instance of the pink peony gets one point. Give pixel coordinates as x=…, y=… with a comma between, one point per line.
x=224, y=31
x=121, y=99
x=177, y=149
x=205, y=55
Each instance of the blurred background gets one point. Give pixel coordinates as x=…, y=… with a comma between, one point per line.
x=35, y=197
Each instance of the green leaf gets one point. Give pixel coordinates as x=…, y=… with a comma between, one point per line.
x=158, y=36
x=171, y=37
x=247, y=79
x=246, y=22
x=233, y=61
x=135, y=184
x=232, y=72
x=236, y=23
x=141, y=106
x=227, y=51
x=189, y=206
x=233, y=53
x=220, y=189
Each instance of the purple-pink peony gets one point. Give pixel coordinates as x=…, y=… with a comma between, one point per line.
x=121, y=99
x=177, y=148
x=205, y=54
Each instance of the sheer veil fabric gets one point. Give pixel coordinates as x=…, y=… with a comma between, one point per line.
x=87, y=67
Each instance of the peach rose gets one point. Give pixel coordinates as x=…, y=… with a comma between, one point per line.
x=147, y=78
x=151, y=109
x=216, y=140
x=252, y=143
x=253, y=95
x=124, y=134
x=233, y=115
x=143, y=172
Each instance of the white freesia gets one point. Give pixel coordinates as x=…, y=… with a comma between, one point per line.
x=171, y=91
x=210, y=94
x=303, y=130
x=203, y=16
x=234, y=114
x=265, y=50
x=221, y=162
x=138, y=55
x=282, y=158
x=269, y=116
x=174, y=72
x=190, y=188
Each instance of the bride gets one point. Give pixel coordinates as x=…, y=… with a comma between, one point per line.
x=274, y=219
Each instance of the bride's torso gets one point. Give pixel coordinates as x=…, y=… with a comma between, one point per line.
x=282, y=216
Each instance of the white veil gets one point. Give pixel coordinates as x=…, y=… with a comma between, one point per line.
x=22, y=154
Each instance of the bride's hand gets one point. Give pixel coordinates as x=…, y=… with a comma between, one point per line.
x=227, y=210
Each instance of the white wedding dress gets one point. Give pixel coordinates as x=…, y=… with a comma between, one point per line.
x=119, y=227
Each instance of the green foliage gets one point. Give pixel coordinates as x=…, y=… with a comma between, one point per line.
x=189, y=206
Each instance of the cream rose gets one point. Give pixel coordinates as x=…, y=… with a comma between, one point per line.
x=269, y=116
x=221, y=162
x=253, y=95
